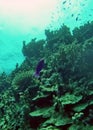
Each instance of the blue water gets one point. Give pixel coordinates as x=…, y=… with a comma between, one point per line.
x=18, y=23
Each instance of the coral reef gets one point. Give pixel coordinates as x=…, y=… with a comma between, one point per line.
x=61, y=98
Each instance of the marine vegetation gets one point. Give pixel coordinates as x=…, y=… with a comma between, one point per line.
x=61, y=98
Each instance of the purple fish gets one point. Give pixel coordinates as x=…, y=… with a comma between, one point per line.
x=39, y=67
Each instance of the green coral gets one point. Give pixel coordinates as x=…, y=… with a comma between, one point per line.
x=22, y=80
x=43, y=112
x=70, y=99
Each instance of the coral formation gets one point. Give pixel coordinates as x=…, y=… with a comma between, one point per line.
x=62, y=97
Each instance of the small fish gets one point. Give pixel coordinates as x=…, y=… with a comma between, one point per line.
x=64, y=8
x=90, y=15
x=76, y=18
x=72, y=15
x=39, y=67
x=64, y=2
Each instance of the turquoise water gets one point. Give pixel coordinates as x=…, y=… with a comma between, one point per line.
x=24, y=20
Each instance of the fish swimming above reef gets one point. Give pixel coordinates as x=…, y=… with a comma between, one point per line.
x=64, y=2
x=76, y=18
x=39, y=67
x=72, y=15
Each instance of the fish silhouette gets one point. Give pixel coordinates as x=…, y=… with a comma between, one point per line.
x=39, y=67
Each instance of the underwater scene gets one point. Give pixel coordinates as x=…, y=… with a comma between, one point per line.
x=46, y=64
